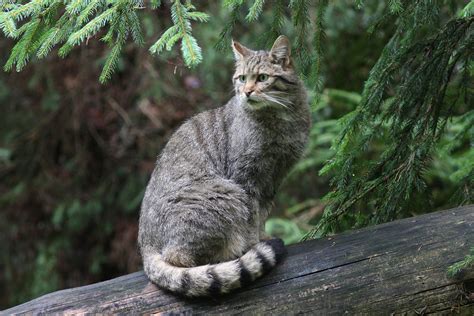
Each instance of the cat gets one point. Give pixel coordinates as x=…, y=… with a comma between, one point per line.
x=201, y=228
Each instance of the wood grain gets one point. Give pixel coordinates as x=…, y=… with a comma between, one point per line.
x=394, y=268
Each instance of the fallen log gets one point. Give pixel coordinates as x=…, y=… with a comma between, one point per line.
x=394, y=268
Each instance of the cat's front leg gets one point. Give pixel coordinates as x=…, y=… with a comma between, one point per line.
x=263, y=213
x=263, y=235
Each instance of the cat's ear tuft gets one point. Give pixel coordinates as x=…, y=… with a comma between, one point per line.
x=281, y=51
x=240, y=51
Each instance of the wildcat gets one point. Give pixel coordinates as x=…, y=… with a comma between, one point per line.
x=203, y=213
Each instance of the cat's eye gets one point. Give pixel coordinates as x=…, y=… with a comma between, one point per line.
x=242, y=78
x=262, y=77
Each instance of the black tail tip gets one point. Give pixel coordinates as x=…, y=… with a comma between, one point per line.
x=278, y=247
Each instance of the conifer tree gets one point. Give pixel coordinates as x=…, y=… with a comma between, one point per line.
x=405, y=108
x=49, y=23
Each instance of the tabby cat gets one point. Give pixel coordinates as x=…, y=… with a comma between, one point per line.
x=202, y=218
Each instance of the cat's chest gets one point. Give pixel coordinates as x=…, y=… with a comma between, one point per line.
x=258, y=160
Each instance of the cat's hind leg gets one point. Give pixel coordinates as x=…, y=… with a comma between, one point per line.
x=211, y=222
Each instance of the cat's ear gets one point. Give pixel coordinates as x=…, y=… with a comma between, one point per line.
x=281, y=51
x=240, y=51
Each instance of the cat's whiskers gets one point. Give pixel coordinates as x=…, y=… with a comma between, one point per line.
x=274, y=100
x=283, y=101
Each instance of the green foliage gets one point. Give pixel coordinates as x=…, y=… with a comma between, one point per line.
x=278, y=19
x=53, y=22
x=463, y=265
x=225, y=35
x=45, y=279
x=319, y=37
x=182, y=15
x=390, y=85
x=404, y=106
x=255, y=10
x=48, y=23
x=285, y=229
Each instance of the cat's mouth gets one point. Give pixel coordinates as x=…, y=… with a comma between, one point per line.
x=255, y=103
x=255, y=99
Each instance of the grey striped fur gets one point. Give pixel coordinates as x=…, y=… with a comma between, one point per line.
x=214, y=279
x=201, y=228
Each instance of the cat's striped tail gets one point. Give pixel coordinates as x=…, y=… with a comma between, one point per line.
x=215, y=279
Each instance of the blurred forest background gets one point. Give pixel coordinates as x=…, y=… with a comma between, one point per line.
x=76, y=154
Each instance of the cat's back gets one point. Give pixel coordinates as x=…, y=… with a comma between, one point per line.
x=201, y=142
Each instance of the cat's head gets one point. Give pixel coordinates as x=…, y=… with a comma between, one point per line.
x=265, y=78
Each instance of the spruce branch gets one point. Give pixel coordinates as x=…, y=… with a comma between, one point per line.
x=301, y=21
x=21, y=51
x=91, y=28
x=255, y=10
x=278, y=19
x=225, y=35
x=198, y=16
x=468, y=10
x=457, y=269
x=76, y=6
x=8, y=26
x=412, y=121
x=317, y=60
x=111, y=62
x=44, y=24
x=84, y=15
x=160, y=44
x=47, y=41
x=395, y=6
x=134, y=26
x=155, y=4
x=181, y=16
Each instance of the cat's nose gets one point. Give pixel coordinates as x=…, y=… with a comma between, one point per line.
x=248, y=93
